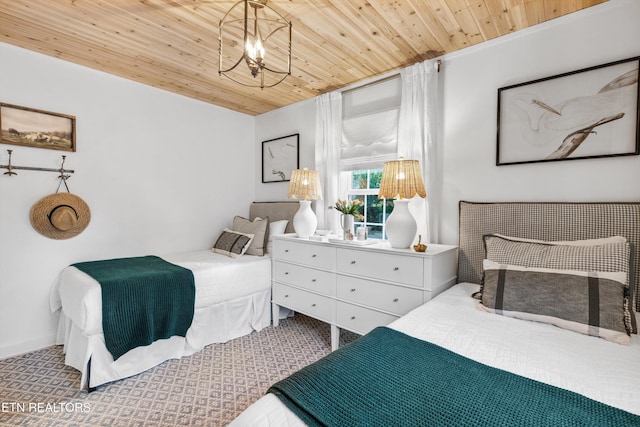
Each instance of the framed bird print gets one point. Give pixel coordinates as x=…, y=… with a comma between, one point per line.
x=279, y=157
x=582, y=114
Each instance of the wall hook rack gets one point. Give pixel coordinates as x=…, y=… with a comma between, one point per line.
x=10, y=168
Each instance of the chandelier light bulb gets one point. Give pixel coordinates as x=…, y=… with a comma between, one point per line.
x=247, y=31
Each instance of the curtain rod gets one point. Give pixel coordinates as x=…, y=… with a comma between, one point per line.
x=394, y=76
x=384, y=79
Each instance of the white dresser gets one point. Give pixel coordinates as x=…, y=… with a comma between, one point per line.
x=356, y=287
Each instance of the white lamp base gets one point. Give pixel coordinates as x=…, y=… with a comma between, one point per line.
x=305, y=221
x=401, y=225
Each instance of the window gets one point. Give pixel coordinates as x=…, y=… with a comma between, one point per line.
x=364, y=185
x=369, y=139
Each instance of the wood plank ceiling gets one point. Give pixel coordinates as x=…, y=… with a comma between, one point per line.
x=173, y=44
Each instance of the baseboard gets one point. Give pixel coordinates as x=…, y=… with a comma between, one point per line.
x=27, y=346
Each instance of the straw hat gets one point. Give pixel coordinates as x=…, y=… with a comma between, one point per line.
x=60, y=216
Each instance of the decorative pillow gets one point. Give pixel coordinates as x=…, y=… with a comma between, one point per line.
x=587, y=242
x=591, y=303
x=232, y=243
x=496, y=244
x=275, y=228
x=257, y=227
x=607, y=257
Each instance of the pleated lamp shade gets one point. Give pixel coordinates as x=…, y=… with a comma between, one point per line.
x=305, y=185
x=401, y=179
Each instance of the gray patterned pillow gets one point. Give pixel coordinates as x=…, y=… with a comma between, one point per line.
x=591, y=303
x=607, y=257
x=232, y=243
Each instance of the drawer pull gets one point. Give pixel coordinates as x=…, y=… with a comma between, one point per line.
x=353, y=317
x=396, y=268
x=313, y=280
x=353, y=262
x=286, y=296
x=313, y=305
x=286, y=273
x=286, y=250
x=395, y=300
x=314, y=255
x=353, y=290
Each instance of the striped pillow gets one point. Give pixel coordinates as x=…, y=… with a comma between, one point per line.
x=232, y=243
x=596, y=299
x=609, y=256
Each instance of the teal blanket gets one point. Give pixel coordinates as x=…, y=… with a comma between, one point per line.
x=144, y=299
x=387, y=378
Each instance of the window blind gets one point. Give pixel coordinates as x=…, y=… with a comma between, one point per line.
x=370, y=125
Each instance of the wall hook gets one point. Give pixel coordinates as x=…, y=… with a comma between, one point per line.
x=10, y=168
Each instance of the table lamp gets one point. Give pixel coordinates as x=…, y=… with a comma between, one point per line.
x=401, y=180
x=305, y=185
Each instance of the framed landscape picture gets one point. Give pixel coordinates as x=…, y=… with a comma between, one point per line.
x=582, y=114
x=279, y=157
x=37, y=128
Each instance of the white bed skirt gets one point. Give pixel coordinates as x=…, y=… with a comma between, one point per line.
x=216, y=323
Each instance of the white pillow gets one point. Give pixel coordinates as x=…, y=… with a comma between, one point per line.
x=275, y=228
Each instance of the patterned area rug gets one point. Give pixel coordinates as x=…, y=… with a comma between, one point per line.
x=209, y=388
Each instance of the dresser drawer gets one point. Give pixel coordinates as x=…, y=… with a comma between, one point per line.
x=314, y=305
x=379, y=265
x=359, y=319
x=392, y=298
x=304, y=253
x=309, y=278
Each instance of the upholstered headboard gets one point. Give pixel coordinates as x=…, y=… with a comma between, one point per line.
x=275, y=211
x=545, y=221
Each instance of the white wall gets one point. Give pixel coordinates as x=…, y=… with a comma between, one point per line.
x=296, y=118
x=469, y=83
x=161, y=173
x=471, y=78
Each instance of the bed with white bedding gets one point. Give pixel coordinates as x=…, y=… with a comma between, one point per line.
x=595, y=369
x=232, y=298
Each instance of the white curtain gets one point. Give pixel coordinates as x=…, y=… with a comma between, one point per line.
x=417, y=140
x=327, y=153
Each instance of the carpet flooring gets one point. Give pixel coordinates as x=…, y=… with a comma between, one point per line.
x=209, y=388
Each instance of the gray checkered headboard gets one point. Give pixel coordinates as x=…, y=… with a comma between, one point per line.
x=545, y=221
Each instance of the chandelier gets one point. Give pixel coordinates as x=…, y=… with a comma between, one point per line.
x=253, y=33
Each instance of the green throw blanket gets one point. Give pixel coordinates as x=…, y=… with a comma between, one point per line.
x=387, y=378
x=144, y=299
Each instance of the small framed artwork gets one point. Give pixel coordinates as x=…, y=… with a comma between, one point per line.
x=37, y=128
x=583, y=114
x=279, y=157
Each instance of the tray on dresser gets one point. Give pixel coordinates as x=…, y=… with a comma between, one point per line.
x=355, y=242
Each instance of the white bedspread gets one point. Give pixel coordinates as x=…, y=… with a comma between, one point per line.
x=232, y=300
x=601, y=370
x=217, y=278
